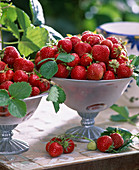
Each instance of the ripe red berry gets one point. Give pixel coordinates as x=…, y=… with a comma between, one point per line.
x=116, y=51
x=9, y=75
x=76, y=60
x=5, y=85
x=3, y=65
x=74, y=40
x=108, y=75
x=10, y=54
x=81, y=48
x=2, y=77
x=62, y=72
x=65, y=45
x=107, y=43
x=44, y=85
x=124, y=71
x=100, y=53
x=113, y=39
x=117, y=140
x=35, y=91
x=92, y=40
x=86, y=60
x=34, y=80
x=78, y=72
x=104, y=143
x=20, y=76
x=68, y=145
x=55, y=149
x=95, y=71
x=47, y=52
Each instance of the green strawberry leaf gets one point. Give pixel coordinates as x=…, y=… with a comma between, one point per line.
x=62, y=95
x=118, y=118
x=17, y=108
x=135, y=61
x=34, y=39
x=8, y=12
x=49, y=69
x=23, y=19
x=20, y=90
x=122, y=110
x=53, y=94
x=134, y=117
x=13, y=28
x=52, y=59
x=65, y=57
x=4, y=98
x=56, y=106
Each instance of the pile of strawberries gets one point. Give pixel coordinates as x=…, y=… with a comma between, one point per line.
x=14, y=68
x=59, y=145
x=95, y=57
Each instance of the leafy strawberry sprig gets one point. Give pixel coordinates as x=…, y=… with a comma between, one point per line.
x=18, y=91
x=127, y=136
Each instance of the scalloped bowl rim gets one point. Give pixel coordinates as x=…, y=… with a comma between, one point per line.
x=34, y=97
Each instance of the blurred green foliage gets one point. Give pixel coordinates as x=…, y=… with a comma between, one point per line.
x=75, y=16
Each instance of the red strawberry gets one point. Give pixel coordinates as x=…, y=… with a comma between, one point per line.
x=10, y=54
x=4, y=112
x=74, y=40
x=81, y=48
x=58, y=61
x=65, y=45
x=23, y=64
x=95, y=72
x=5, y=85
x=62, y=72
x=86, y=35
x=20, y=76
x=100, y=53
x=103, y=65
x=43, y=85
x=104, y=143
x=47, y=146
x=2, y=77
x=3, y=65
x=78, y=72
x=56, y=139
x=124, y=71
x=113, y=39
x=86, y=59
x=47, y=52
x=116, y=51
x=68, y=146
x=107, y=43
x=9, y=75
x=92, y=40
x=55, y=149
x=108, y=75
x=76, y=60
x=35, y=91
x=117, y=140
x=34, y=80
x=113, y=65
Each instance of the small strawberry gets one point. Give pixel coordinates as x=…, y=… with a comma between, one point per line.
x=3, y=66
x=55, y=149
x=95, y=72
x=34, y=80
x=108, y=75
x=62, y=72
x=116, y=51
x=44, y=85
x=9, y=75
x=113, y=65
x=20, y=76
x=104, y=143
x=65, y=45
x=10, y=54
x=86, y=60
x=92, y=40
x=86, y=35
x=23, y=64
x=47, y=52
x=5, y=85
x=74, y=40
x=35, y=91
x=76, y=60
x=117, y=140
x=2, y=77
x=81, y=48
x=100, y=53
x=47, y=146
x=58, y=61
x=124, y=71
x=78, y=72
x=113, y=39
x=108, y=43
x=68, y=145
x=103, y=65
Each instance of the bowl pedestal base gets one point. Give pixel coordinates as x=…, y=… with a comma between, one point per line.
x=9, y=146
x=87, y=130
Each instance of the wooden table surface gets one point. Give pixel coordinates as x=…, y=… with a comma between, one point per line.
x=45, y=124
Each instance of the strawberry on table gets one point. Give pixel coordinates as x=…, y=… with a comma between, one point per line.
x=117, y=140
x=55, y=149
x=68, y=145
